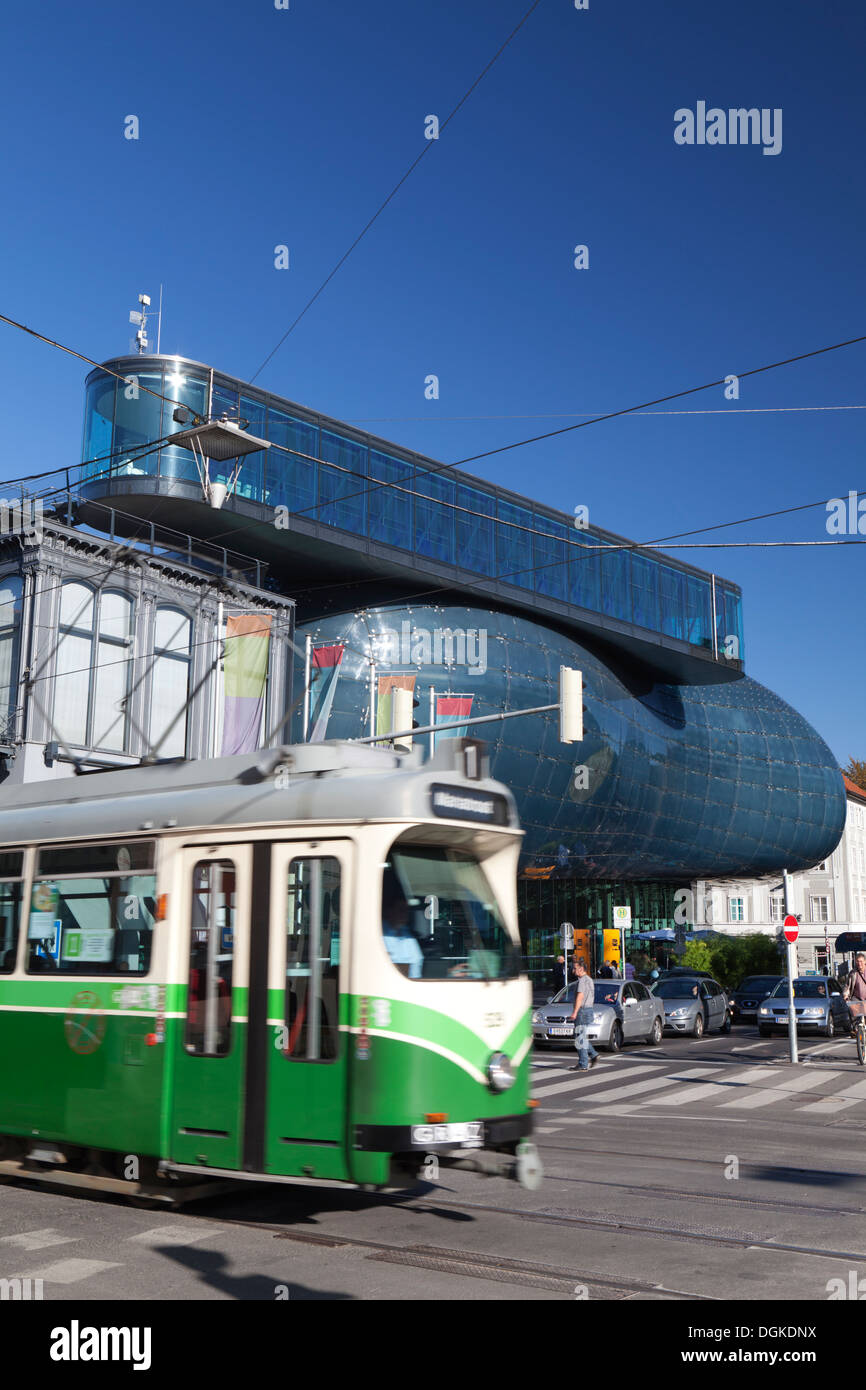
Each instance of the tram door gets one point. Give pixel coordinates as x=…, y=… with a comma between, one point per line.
x=211, y=1042
x=306, y=1100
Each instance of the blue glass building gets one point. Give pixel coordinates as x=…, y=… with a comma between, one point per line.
x=688, y=769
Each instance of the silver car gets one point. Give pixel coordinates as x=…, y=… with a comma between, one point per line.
x=693, y=1005
x=623, y=1011
x=818, y=1003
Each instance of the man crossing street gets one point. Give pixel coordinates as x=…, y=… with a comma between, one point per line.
x=582, y=1017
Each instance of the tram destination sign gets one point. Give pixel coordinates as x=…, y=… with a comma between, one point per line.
x=462, y=803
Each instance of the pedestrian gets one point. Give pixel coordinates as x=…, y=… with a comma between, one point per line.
x=559, y=977
x=855, y=985
x=582, y=1017
x=614, y=971
x=605, y=973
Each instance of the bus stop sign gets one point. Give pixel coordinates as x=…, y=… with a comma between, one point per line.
x=792, y=929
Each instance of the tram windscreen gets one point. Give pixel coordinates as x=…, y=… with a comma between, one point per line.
x=440, y=919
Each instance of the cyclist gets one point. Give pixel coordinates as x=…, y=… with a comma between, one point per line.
x=855, y=993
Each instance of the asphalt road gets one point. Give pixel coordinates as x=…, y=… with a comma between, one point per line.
x=696, y=1170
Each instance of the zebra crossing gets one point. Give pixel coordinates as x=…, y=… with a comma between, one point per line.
x=732, y=1088
x=18, y=1273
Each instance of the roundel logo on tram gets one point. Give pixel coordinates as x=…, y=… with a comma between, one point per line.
x=83, y=1026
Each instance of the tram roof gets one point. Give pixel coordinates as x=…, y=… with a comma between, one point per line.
x=328, y=782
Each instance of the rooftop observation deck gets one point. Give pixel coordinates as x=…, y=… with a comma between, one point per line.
x=394, y=523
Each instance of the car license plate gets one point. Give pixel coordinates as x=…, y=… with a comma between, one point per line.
x=470, y=1134
x=559, y=1032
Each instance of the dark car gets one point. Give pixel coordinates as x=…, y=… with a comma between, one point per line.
x=749, y=994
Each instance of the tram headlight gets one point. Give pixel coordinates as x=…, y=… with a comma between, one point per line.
x=500, y=1072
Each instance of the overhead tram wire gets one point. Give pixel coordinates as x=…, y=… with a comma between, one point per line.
x=445, y=467
x=169, y=400
x=466, y=95
x=440, y=468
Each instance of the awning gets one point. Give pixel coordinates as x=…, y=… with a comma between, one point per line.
x=851, y=941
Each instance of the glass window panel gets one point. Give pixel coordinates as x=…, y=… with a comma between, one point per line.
x=172, y=630
x=168, y=706
x=10, y=915
x=585, y=572
x=71, y=687
x=184, y=388
x=313, y=960
x=440, y=918
x=434, y=515
x=645, y=592
x=475, y=536
x=76, y=606
x=10, y=635
x=225, y=401
x=112, y=682
x=98, y=424
x=514, y=545
x=615, y=584
x=138, y=421
x=110, y=858
x=551, y=557
x=106, y=928
x=390, y=510
x=115, y=615
x=209, y=1002
x=291, y=481
x=342, y=495
x=699, y=611
x=673, y=602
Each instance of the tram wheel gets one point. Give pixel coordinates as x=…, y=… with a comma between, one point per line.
x=529, y=1167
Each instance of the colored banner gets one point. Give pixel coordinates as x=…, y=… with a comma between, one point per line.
x=325, y=664
x=248, y=637
x=383, y=706
x=448, y=708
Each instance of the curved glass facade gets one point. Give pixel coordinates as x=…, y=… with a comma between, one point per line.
x=670, y=782
x=323, y=470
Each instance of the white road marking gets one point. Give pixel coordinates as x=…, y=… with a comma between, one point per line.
x=688, y=1094
x=852, y=1095
x=37, y=1240
x=67, y=1271
x=790, y=1086
x=767, y=1042
x=171, y=1235
x=582, y=1081
x=650, y=1084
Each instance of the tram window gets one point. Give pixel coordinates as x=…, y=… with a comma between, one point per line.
x=90, y=925
x=95, y=859
x=10, y=915
x=209, y=998
x=440, y=919
x=313, y=960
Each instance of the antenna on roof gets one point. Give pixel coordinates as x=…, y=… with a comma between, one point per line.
x=139, y=316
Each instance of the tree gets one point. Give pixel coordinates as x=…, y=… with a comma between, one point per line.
x=856, y=772
x=696, y=956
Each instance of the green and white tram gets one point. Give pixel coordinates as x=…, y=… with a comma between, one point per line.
x=295, y=965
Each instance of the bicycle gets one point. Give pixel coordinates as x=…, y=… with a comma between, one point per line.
x=858, y=1009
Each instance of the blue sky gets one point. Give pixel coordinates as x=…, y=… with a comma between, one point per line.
x=261, y=127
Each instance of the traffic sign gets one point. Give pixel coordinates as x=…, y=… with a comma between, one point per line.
x=566, y=936
x=792, y=929
x=622, y=916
